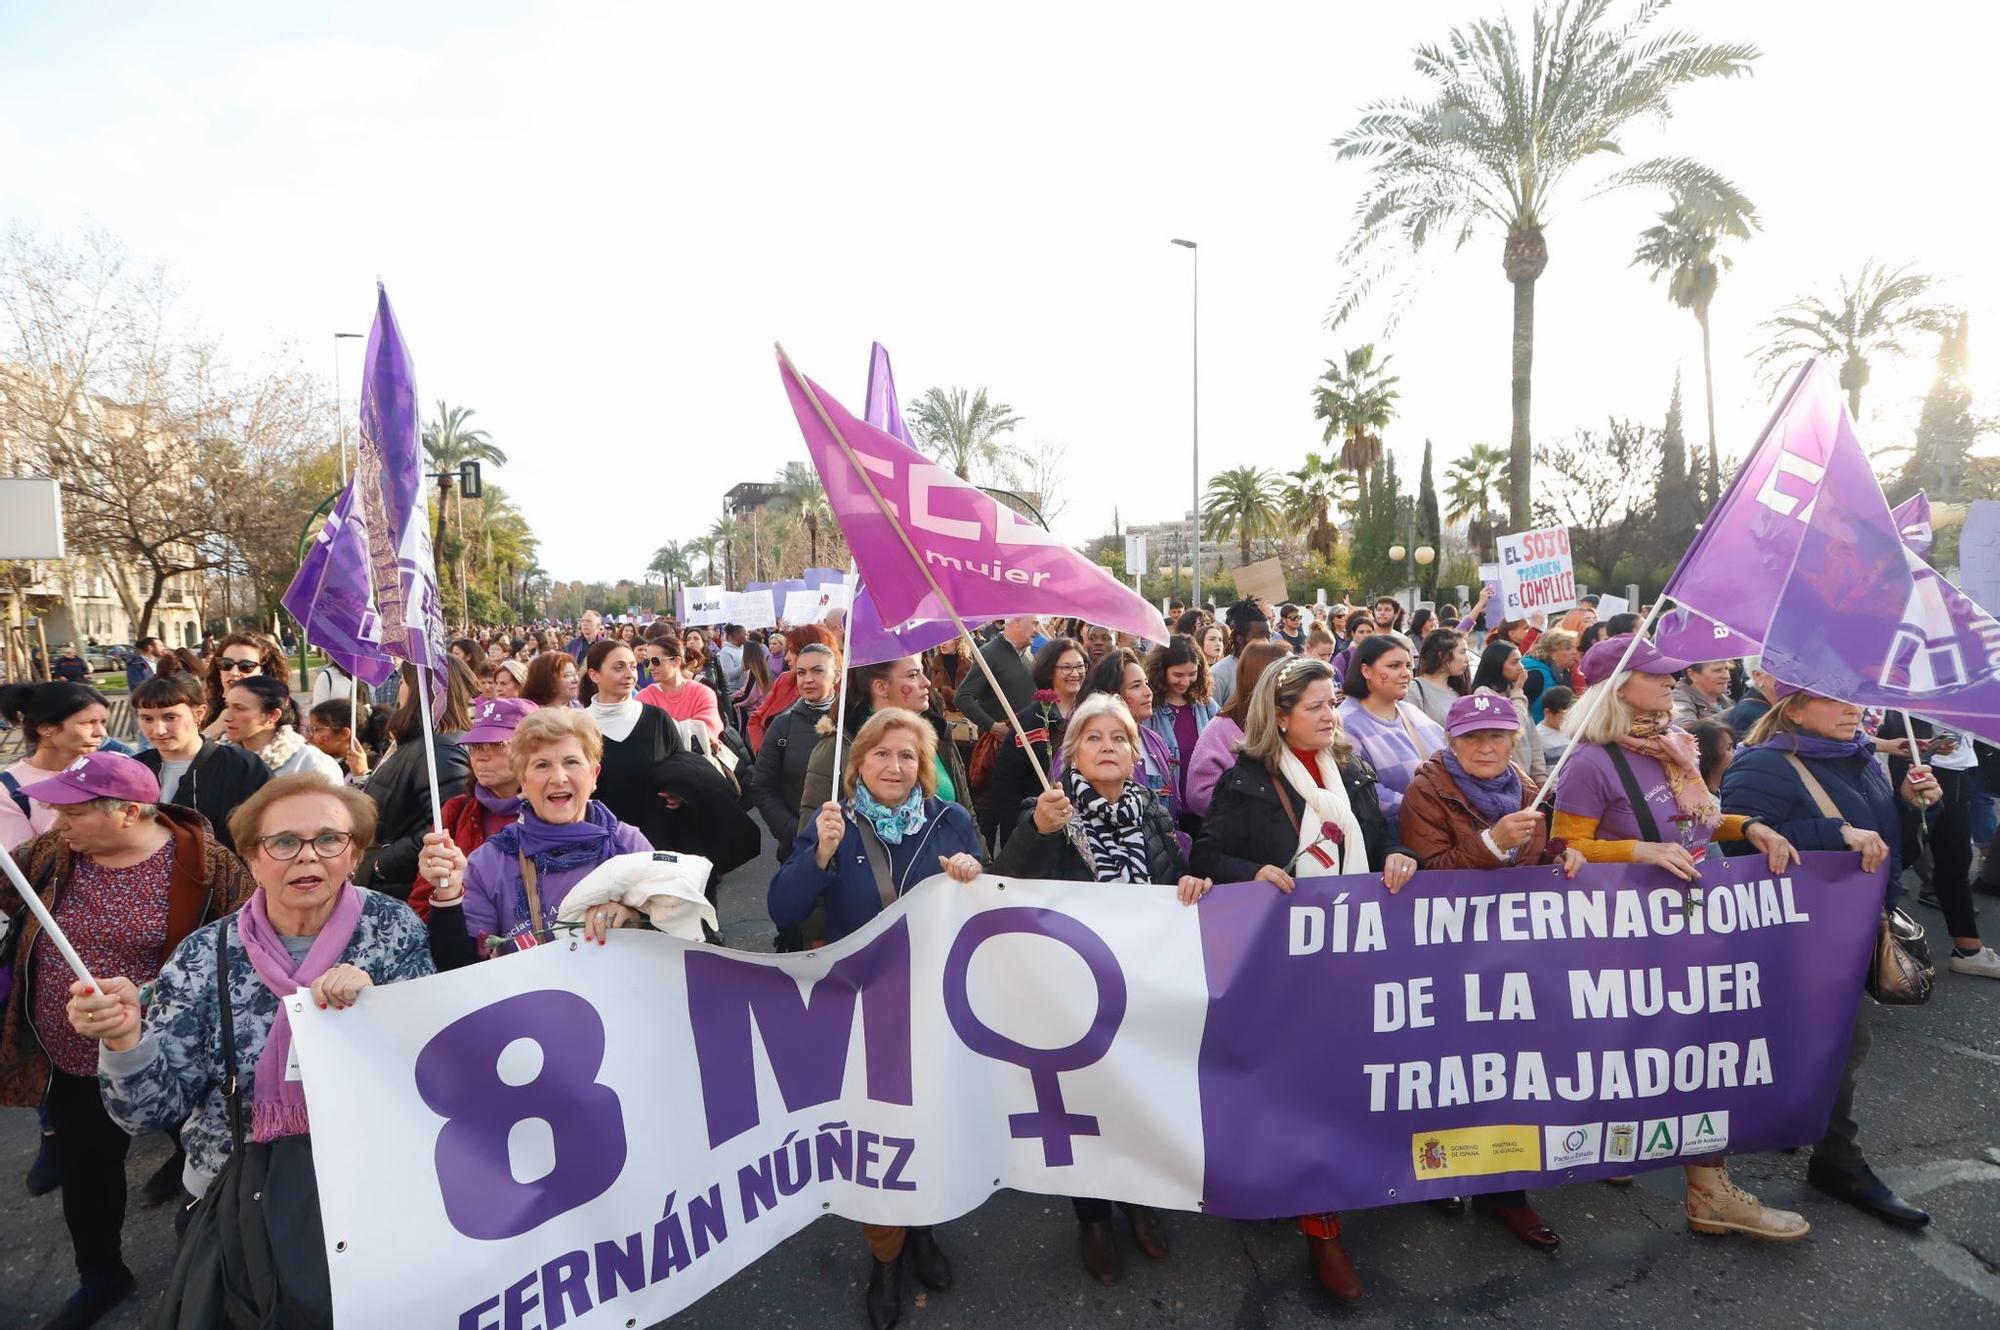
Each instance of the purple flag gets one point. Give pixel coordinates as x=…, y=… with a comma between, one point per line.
x=1913, y=521
x=873, y=641
x=984, y=558
x=881, y=408
x=332, y=597
x=389, y=474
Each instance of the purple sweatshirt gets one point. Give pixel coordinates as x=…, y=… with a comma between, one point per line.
x=493, y=892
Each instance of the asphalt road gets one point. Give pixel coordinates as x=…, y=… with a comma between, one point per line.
x=1930, y=1113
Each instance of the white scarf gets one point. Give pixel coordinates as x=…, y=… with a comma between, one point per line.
x=284, y=745
x=616, y=719
x=1321, y=807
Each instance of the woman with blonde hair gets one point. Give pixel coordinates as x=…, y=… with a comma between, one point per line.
x=1548, y=665
x=888, y=832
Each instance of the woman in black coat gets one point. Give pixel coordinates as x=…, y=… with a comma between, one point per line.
x=1097, y=824
x=401, y=785
x=1300, y=803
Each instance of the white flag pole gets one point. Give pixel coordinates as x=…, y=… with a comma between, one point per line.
x=48, y=921
x=895, y=522
x=430, y=746
x=840, y=678
x=1592, y=697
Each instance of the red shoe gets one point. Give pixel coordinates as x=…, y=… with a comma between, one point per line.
x=1334, y=1271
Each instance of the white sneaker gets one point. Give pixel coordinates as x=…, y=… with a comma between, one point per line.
x=1986, y=965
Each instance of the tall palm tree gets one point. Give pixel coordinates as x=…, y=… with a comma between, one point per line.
x=800, y=492
x=726, y=531
x=1502, y=129
x=1682, y=249
x=1867, y=319
x=673, y=565
x=1246, y=501
x=1356, y=398
x=962, y=429
x=705, y=547
x=1312, y=495
x=1470, y=485
x=448, y=443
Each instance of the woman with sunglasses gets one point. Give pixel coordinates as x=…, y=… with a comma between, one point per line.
x=673, y=690
x=1300, y=802
x=240, y=656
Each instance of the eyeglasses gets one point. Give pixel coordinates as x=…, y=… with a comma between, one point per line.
x=1071, y=669
x=285, y=846
x=239, y=665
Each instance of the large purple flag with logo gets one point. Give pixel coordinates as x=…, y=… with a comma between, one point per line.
x=332, y=597
x=388, y=472
x=986, y=559
x=882, y=409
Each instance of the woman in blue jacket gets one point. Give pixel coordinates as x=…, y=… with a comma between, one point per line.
x=853, y=860
x=1808, y=772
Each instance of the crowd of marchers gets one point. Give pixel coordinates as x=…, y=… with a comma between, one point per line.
x=240, y=851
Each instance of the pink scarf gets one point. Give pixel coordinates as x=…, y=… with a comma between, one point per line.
x=278, y=1105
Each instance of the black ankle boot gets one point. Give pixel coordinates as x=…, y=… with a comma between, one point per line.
x=885, y=1294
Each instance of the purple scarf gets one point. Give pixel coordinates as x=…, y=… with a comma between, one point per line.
x=1819, y=746
x=493, y=803
x=1492, y=797
x=277, y=1105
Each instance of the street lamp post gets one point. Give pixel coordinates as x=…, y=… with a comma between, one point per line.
x=1194, y=510
x=339, y=407
x=1417, y=555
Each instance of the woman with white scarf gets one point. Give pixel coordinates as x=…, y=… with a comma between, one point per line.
x=258, y=715
x=1301, y=803
x=1098, y=824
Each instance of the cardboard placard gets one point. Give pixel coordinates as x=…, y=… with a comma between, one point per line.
x=1265, y=578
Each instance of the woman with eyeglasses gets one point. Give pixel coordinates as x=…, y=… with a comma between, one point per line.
x=553, y=680
x=1058, y=674
x=1123, y=675
x=306, y=928
x=1300, y=803
x=240, y=656
x=258, y=716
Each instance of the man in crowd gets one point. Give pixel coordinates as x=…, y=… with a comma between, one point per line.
x=734, y=636
x=1247, y=624
x=588, y=629
x=1701, y=693
x=193, y=772
x=1007, y=656
x=1755, y=702
x=71, y=667
x=140, y=665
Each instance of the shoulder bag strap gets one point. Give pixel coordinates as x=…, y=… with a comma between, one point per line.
x=1642, y=812
x=534, y=897
x=1815, y=790
x=1416, y=742
x=15, y=792
x=878, y=863
x=231, y=1097
x=1285, y=801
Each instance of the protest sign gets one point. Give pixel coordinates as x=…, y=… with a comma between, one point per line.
x=1265, y=578
x=752, y=609
x=1608, y=605
x=1979, y=555
x=702, y=605
x=524, y=1133
x=1536, y=573
x=811, y=606
x=1489, y=577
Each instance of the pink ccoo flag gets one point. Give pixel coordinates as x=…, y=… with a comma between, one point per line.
x=978, y=555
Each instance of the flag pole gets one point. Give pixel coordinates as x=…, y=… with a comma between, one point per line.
x=1592, y=697
x=840, y=680
x=47, y=920
x=979, y=657
x=430, y=746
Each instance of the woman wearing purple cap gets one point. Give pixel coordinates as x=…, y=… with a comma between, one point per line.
x=1632, y=792
x=1808, y=769
x=1466, y=808
x=493, y=803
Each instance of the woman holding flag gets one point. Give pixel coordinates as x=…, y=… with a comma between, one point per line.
x=1300, y=802
x=1632, y=792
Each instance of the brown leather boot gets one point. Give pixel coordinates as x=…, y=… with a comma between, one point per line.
x=1100, y=1253
x=1144, y=1236
x=1336, y=1274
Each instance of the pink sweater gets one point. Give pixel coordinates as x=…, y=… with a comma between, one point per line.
x=16, y=830
x=692, y=701
x=1214, y=753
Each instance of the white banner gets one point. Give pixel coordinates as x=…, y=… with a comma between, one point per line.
x=701, y=605
x=503, y=1137
x=1536, y=572
x=752, y=609
x=813, y=605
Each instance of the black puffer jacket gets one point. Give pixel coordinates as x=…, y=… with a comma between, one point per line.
x=1028, y=853
x=1246, y=827
x=401, y=789
x=780, y=779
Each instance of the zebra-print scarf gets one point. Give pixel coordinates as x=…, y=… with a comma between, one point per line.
x=1114, y=837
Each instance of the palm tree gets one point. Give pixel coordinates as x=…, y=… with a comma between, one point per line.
x=448, y=443
x=1311, y=496
x=800, y=492
x=962, y=430
x=1244, y=500
x=1503, y=128
x=1470, y=486
x=1682, y=249
x=725, y=532
x=705, y=547
x=673, y=564
x=1867, y=319
x=1356, y=397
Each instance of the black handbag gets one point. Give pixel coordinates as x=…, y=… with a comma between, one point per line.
x=254, y=1253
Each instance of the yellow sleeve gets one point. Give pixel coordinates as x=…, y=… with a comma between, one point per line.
x=1732, y=827
x=1580, y=834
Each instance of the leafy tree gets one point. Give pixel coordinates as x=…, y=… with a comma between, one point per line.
x=1377, y=526
x=1471, y=485
x=1600, y=486
x=1357, y=398
x=1946, y=427
x=1503, y=127
x=1244, y=501
x=1674, y=494
x=1682, y=249
x=1430, y=526
x=962, y=429
x=1868, y=318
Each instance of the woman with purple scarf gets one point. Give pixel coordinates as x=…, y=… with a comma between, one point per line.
x=506, y=896
x=161, y=1061
x=1467, y=807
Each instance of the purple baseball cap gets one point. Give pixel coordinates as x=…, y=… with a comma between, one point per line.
x=494, y=719
x=1481, y=711
x=99, y=776
x=1603, y=659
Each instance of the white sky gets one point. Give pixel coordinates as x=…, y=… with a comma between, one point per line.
x=594, y=220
